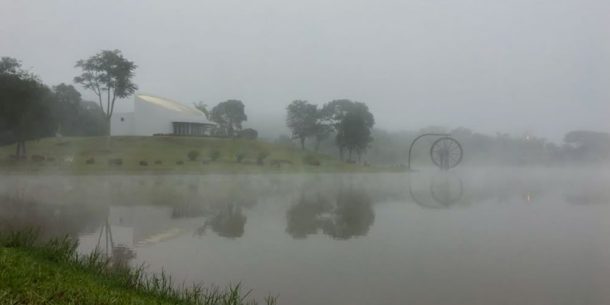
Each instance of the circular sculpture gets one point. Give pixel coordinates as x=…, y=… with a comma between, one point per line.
x=446, y=153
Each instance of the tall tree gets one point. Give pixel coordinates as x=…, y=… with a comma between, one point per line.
x=25, y=105
x=229, y=115
x=203, y=107
x=67, y=106
x=352, y=122
x=109, y=75
x=301, y=119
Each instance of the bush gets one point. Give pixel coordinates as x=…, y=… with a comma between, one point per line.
x=214, y=155
x=158, y=162
x=117, y=161
x=240, y=157
x=37, y=158
x=248, y=133
x=179, y=162
x=260, y=158
x=144, y=163
x=311, y=160
x=90, y=161
x=193, y=155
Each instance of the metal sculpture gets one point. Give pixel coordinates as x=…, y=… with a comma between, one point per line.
x=446, y=152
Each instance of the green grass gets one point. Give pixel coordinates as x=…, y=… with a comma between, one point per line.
x=164, y=154
x=35, y=272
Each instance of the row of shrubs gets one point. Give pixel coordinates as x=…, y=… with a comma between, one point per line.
x=214, y=155
x=194, y=155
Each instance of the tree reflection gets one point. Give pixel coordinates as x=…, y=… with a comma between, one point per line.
x=229, y=222
x=121, y=255
x=350, y=214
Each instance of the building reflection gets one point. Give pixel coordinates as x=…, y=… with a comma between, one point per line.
x=346, y=215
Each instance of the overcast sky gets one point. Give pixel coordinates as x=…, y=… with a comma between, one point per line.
x=539, y=66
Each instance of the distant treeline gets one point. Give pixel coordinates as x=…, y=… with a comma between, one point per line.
x=391, y=148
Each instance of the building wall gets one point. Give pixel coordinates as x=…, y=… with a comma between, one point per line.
x=152, y=119
x=122, y=124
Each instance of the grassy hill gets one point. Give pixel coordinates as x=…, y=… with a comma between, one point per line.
x=165, y=154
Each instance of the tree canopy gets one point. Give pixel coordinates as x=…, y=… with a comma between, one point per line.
x=107, y=74
x=229, y=115
x=25, y=105
x=301, y=118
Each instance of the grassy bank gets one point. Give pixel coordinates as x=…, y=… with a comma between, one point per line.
x=167, y=154
x=51, y=272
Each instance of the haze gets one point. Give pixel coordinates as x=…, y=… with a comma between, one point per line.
x=516, y=66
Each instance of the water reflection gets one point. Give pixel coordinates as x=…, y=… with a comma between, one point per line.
x=349, y=214
x=250, y=227
x=229, y=222
x=445, y=190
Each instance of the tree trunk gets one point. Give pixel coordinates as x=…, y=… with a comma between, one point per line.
x=349, y=153
x=302, y=143
x=18, y=151
x=317, y=146
x=20, y=154
x=108, y=132
x=341, y=153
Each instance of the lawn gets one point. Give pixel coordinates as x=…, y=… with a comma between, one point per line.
x=167, y=154
x=35, y=272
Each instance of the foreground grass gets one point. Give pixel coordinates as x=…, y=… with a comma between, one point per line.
x=167, y=154
x=34, y=272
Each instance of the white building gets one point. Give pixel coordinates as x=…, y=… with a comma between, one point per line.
x=155, y=115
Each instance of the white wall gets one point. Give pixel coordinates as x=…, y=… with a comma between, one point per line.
x=151, y=119
x=122, y=124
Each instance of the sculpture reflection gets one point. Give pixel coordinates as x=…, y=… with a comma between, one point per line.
x=445, y=190
x=349, y=214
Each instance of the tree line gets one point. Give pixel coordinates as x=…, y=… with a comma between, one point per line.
x=29, y=109
x=348, y=121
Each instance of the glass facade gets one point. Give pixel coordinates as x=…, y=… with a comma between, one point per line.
x=191, y=129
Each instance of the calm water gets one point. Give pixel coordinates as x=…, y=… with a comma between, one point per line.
x=486, y=236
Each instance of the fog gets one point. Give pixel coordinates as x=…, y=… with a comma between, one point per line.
x=272, y=143
x=536, y=67
x=468, y=236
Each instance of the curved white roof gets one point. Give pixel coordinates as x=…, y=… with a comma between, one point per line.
x=169, y=104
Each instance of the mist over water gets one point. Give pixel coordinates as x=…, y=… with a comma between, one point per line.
x=473, y=236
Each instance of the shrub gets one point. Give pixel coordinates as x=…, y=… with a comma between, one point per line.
x=37, y=158
x=248, y=133
x=179, y=162
x=117, y=161
x=158, y=162
x=90, y=161
x=240, y=156
x=193, y=155
x=214, y=155
x=143, y=163
x=260, y=158
x=311, y=160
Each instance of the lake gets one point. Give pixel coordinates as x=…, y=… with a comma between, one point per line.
x=475, y=236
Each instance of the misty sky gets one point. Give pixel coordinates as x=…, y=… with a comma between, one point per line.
x=539, y=66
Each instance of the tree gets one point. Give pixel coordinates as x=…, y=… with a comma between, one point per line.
x=25, y=105
x=107, y=74
x=301, y=119
x=67, y=106
x=203, y=107
x=352, y=121
x=229, y=115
